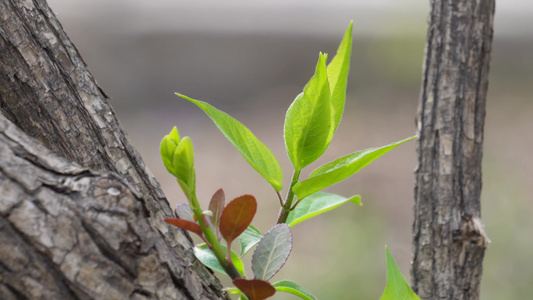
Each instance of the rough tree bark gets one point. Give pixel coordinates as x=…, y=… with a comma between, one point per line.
x=448, y=237
x=80, y=217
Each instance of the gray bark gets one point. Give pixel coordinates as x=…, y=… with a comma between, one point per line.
x=448, y=238
x=68, y=232
x=47, y=92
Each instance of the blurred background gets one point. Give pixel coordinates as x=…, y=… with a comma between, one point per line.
x=251, y=58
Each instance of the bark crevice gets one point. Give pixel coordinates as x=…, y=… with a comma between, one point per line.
x=448, y=236
x=59, y=197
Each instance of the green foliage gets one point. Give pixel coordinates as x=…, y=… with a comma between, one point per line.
x=178, y=157
x=397, y=288
x=250, y=147
x=293, y=288
x=168, y=146
x=340, y=169
x=249, y=238
x=310, y=124
x=316, y=204
x=208, y=258
x=315, y=114
x=338, y=75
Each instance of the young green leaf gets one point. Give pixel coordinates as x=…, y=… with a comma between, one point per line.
x=250, y=147
x=338, y=74
x=232, y=291
x=255, y=289
x=309, y=122
x=272, y=252
x=184, y=212
x=208, y=258
x=168, y=145
x=216, y=205
x=293, y=288
x=187, y=225
x=236, y=291
x=340, y=169
x=397, y=288
x=249, y=238
x=237, y=216
x=242, y=296
x=316, y=204
x=183, y=162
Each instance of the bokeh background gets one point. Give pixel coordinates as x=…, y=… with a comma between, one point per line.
x=251, y=58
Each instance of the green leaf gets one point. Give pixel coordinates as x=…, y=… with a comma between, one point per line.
x=338, y=74
x=397, y=287
x=232, y=291
x=255, y=289
x=236, y=291
x=293, y=288
x=249, y=238
x=309, y=122
x=183, y=162
x=250, y=147
x=168, y=145
x=208, y=258
x=340, y=169
x=316, y=204
x=272, y=252
x=237, y=216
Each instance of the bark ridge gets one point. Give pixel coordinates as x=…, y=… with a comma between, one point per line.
x=448, y=237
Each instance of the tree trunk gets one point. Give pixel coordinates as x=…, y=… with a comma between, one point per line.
x=82, y=219
x=448, y=237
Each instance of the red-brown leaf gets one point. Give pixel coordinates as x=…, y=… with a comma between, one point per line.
x=187, y=225
x=216, y=206
x=237, y=216
x=255, y=289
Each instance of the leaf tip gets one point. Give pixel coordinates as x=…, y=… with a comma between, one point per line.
x=185, y=97
x=357, y=200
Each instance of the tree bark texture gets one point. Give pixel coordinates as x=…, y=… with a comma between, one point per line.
x=68, y=232
x=448, y=238
x=47, y=91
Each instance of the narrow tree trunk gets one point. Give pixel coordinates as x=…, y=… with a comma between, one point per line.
x=448, y=237
x=48, y=93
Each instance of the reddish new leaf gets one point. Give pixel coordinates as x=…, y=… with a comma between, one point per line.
x=216, y=206
x=187, y=225
x=236, y=217
x=255, y=289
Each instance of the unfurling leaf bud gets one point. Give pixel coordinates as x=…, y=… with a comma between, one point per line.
x=178, y=156
x=168, y=146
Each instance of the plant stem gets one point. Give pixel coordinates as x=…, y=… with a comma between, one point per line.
x=286, y=209
x=280, y=199
x=217, y=249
